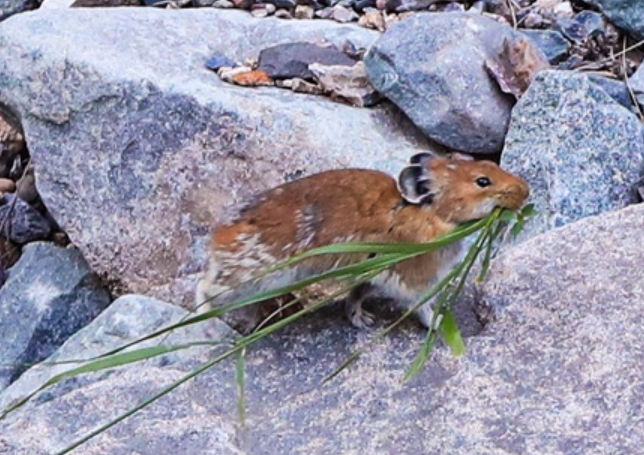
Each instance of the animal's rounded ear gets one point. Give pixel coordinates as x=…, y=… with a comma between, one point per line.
x=414, y=185
x=460, y=156
x=421, y=158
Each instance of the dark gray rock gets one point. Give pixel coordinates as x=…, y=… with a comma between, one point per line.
x=433, y=67
x=561, y=357
x=286, y=4
x=616, y=89
x=11, y=7
x=286, y=61
x=581, y=152
x=136, y=159
x=20, y=222
x=581, y=27
x=49, y=295
x=400, y=6
x=637, y=84
x=128, y=318
x=626, y=14
x=218, y=60
x=553, y=45
x=349, y=83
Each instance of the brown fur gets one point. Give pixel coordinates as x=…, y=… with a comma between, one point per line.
x=354, y=205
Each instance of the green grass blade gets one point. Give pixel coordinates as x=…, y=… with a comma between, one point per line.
x=451, y=334
x=202, y=368
x=104, y=363
x=240, y=345
x=240, y=379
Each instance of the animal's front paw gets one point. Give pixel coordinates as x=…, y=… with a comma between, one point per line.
x=361, y=319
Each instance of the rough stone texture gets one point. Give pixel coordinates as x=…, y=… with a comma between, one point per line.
x=138, y=145
x=553, y=45
x=83, y=401
x=23, y=222
x=128, y=318
x=568, y=307
x=286, y=61
x=626, y=14
x=11, y=7
x=50, y=294
x=637, y=84
x=581, y=152
x=558, y=371
x=432, y=66
x=616, y=89
x=346, y=82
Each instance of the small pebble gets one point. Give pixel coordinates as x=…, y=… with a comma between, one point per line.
x=324, y=13
x=7, y=186
x=284, y=4
x=304, y=12
x=452, y=7
x=262, y=10
x=372, y=18
x=61, y=239
x=223, y=4
x=343, y=15
x=243, y=4
x=227, y=73
x=283, y=14
x=219, y=60
x=361, y=5
x=302, y=86
x=477, y=7
x=563, y=9
x=26, y=187
x=254, y=78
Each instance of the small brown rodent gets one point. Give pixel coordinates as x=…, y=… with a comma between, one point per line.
x=430, y=198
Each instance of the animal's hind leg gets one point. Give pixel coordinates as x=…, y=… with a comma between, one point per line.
x=353, y=306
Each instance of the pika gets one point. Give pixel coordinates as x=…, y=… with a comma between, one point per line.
x=430, y=198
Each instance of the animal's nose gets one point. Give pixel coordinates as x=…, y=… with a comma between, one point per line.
x=522, y=189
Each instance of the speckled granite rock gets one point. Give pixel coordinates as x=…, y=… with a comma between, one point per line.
x=432, y=66
x=24, y=223
x=626, y=14
x=10, y=7
x=552, y=43
x=128, y=318
x=50, y=293
x=138, y=146
x=557, y=371
x=581, y=152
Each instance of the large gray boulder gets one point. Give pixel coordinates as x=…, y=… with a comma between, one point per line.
x=138, y=146
x=626, y=14
x=432, y=66
x=580, y=151
x=49, y=295
x=558, y=370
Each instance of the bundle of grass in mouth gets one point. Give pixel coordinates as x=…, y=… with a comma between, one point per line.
x=406, y=237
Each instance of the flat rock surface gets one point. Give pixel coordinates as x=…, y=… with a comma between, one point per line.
x=580, y=151
x=138, y=147
x=558, y=370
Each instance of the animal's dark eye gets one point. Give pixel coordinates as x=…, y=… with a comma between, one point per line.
x=483, y=182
